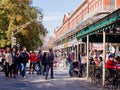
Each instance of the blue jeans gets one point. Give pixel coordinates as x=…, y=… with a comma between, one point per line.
x=39, y=69
x=18, y=68
x=70, y=68
x=23, y=69
x=49, y=66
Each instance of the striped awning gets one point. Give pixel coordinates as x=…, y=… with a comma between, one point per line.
x=103, y=24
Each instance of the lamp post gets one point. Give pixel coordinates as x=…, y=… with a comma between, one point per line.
x=39, y=18
x=12, y=39
x=18, y=30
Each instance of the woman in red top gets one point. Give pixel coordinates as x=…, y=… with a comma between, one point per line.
x=33, y=60
x=111, y=65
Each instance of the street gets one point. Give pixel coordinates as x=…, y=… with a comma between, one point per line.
x=34, y=82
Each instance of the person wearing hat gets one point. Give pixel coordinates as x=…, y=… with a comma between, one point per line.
x=111, y=65
x=110, y=62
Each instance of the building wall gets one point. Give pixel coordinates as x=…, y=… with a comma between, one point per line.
x=87, y=9
x=118, y=3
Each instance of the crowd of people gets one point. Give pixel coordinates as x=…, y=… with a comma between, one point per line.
x=96, y=59
x=15, y=61
x=111, y=60
x=112, y=65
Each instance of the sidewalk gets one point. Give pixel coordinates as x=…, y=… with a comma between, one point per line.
x=36, y=82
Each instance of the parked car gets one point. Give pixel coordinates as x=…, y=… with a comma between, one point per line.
x=1, y=59
x=1, y=64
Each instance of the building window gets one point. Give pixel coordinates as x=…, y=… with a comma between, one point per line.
x=112, y=4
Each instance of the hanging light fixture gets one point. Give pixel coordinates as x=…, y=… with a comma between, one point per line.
x=117, y=29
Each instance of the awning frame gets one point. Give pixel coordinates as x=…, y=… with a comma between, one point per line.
x=100, y=25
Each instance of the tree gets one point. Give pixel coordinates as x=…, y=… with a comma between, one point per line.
x=18, y=12
x=3, y=26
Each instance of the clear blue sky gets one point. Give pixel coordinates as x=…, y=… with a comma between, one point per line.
x=54, y=11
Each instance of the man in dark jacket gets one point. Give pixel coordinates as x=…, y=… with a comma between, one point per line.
x=39, y=62
x=24, y=60
x=70, y=59
x=14, y=61
x=50, y=61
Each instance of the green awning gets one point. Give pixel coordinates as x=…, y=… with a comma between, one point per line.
x=105, y=23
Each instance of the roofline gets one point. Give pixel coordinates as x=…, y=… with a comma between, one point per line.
x=82, y=3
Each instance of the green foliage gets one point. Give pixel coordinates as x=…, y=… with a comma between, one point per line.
x=15, y=13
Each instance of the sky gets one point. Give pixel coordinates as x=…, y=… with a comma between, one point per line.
x=54, y=10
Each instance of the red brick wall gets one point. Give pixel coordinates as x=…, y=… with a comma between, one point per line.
x=81, y=12
x=118, y=3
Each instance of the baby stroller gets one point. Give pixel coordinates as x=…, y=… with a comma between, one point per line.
x=75, y=71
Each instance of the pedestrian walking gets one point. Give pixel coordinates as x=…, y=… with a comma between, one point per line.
x=8, y=62
x=39, y=62
x=24, y=60
x=14, y=61
x=70, y=59
x=44, y=62
x=50, y=60
x=18, y=63
x=33, y=60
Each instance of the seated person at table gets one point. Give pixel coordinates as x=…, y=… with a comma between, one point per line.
x=118, y=59
x=118, y=62
x=111, y=65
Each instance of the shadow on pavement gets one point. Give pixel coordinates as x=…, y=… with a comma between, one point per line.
x=36, y=82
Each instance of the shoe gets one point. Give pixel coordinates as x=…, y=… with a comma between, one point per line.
x=14, y=77
x=7, y=78
x=52, y=77
x=24, y=77
x=46, y=78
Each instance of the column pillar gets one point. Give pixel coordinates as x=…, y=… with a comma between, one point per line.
x=104, y=55
x=87, y=56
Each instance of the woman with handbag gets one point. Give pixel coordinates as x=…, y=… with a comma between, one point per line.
x=8, y=62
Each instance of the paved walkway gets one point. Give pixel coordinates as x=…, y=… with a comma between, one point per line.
x=34, y=82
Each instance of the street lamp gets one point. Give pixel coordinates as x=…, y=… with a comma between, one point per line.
x=39, y=18
x=13, y=40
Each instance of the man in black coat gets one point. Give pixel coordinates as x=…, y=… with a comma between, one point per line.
x=24, y=60
x=50, y=60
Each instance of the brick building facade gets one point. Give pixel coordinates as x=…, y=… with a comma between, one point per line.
x=88, y=12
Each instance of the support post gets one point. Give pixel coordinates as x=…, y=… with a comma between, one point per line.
x=87, y=56
x=104, y=55
x=77, y=50
x=12, y=39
